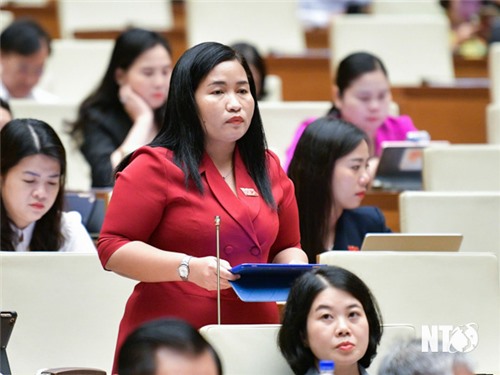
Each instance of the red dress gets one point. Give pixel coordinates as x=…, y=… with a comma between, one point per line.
x=150, y=203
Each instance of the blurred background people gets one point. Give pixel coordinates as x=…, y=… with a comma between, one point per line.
x=407, y=358
x=361, y=95
x=330, y=172
x=126, y=110
x=33, y=170
x=330, y=314
x=318, y=13
x=167, y=347
x=475, y=24
x=257, y=66
x=24, y=47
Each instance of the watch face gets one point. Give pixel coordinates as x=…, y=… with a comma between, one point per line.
x=183, y=271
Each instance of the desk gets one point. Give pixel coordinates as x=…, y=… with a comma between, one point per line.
x=388, y=202
x=305, y=77
x=456, y=114
x=46, y=15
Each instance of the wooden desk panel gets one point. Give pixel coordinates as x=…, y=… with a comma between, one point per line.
x=304, y=78
x=46, y=15
x=470, y=68
x=454, y=114
x=388, y=202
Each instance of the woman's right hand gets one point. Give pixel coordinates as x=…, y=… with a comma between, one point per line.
x=134, y=104
x=203, y=272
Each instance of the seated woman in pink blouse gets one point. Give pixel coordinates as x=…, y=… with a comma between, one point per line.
x=362, y=96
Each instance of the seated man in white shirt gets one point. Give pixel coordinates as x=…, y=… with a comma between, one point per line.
x=24, y=47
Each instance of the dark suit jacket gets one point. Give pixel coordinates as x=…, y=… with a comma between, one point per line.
x=354, y=224
x=104, y=133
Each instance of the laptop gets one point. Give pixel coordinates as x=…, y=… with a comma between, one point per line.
x=8, y=319
x=400, y=165
x=90, y=207
x=412, y=242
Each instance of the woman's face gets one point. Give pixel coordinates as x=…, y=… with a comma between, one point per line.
x=337, y=328
x=29, y=189
x=365, y=103
x=225, y=103
x=149, y=76
x=351, y=178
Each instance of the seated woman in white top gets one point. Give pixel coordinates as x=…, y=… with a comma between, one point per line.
x=33, y=174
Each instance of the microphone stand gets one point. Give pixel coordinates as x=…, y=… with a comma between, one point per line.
x=217, y=246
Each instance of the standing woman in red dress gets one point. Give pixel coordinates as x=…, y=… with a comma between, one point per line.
x=209, y=159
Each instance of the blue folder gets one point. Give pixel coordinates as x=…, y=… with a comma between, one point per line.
x=267, y=282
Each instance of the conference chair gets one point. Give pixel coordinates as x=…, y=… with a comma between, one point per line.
x=269, y=25
x=281, y=120
x=6, y=17
x=247, y=349
x=56, y=115
x=81, y=16
x=406, y=7
x=69, y=309
x=474, y=214
x=409, y=60
x=461, y=167
x=436, y=292
x=262, y=355
x=273, y=86
x=493, y=123
x=76, y=66
x=494, y=71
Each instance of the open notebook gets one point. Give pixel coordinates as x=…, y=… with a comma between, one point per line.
x=412, y=241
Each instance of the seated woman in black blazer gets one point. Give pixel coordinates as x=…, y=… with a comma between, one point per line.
x=330, y=172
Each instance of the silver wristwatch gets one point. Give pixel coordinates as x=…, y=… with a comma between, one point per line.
x=183, y=268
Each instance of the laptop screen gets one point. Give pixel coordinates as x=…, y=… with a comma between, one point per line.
x=400, y=165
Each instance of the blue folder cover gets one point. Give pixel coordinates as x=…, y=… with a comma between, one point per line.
x=267, y=282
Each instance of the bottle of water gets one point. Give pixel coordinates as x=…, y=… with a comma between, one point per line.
x=326, y=367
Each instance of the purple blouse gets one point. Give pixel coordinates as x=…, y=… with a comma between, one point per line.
x=393, y=129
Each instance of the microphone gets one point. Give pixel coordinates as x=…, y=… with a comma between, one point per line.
x=217, y=247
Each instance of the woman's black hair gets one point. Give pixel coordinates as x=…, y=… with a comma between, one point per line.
x=323, y=142
x=253, y=57
x=26, y=137
x=351, y=68
x=5, y=105
x=293, y=333
x=129, y=45
x=182, y=131
x=137, y=354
